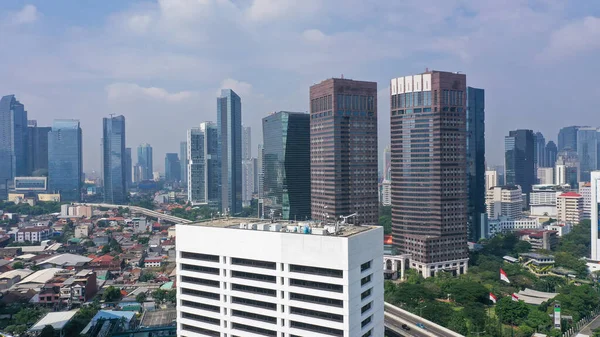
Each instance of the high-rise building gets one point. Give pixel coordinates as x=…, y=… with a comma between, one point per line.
x=37, y=148
x=278, y=282
x=543, y=199
x=595, y=199
x=429, y=187
x=519, y=159
x=504, y=201
x=203, y=166
x=567, y=138
x=567, y=169
x=386, y=193
x=137, y=173
x=343, y=150
x=545, y=175
x=13, y=142
x=585, y=189
x=128, y=168
x=587, y=151
x=65, y=159
x=387, y=164
x=286, y=163
x=491, y=179
x=144, y=155
x=247, y=167
x=551, y=153
x=183, y=160
x=113, y=160
x=229, y=129
x=172, y=167
x=539, y=150
x=259, y=171
x=569, y=207
x=475, y=161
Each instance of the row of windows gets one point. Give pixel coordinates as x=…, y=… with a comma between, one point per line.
x=199, y=305
x=412, y=99
x=254, y=290
x=201, y=331
x=253, y=263
x=321, y=103
x=317, y=285
x=253, y=316
x=201, y=257
x=316, y=271
x=204, y=294
x=253, y=276
x=253, y=303
x=254, y=329
x=200, y=281
x=316, y=328
x=201, y=269
x=317, y=314
x=317, y=300
x=199, y=318
x=355, y=102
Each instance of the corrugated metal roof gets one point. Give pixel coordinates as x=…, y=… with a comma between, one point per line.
x=57, y=320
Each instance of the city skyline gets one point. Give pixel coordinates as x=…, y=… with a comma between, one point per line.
x=143, y=87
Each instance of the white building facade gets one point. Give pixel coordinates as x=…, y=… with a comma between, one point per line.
x=569, y=206
x=545, y=175
x=595, y=191
x=386, y=193
x=271, y=280
x=504, y=201
x=585, y=189
x=491, y=179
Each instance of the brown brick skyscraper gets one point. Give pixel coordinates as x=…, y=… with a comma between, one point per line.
x=429, y=187
x=343, y=150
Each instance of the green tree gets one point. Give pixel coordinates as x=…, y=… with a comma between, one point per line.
x=28, y=316
x=111, y=294
x=141, y=297
x=147, y=276
x=570, y=261
x=18, y=265
x=47, y=331
x=511, y=312
x=525, y=331
x=555, y=333
x=522, y=247
x=538, y=320
x=172, y=296
x=159, y=296
x=458, y=323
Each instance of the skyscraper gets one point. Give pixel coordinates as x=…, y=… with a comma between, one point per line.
x=587, y=151
x=567, y=138
x=128, y=168
x=37, y=147
x=429, y=188
x=113, y=160
x=551, y=153
x=203, y=166
x=387, y=164
x=343, y=150
x=13, y=141
x=246, y=142
x=476, y=161
x=259, y=171
x=172, y=167
x=195, y=159
x=144, y=154
x=247, y=166
x=519, y=159
x=539, y=150
x=286, y=162
x=65, y=159
x=183, y=159
x=567, y=168
x=229, y=128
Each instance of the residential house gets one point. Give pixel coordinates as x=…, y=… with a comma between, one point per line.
x=66, y=261
x=106, y=262
x=153, y=262
x=33, y=234
x=79, y=288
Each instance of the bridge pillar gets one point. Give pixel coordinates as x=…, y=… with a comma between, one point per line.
x=402, y=268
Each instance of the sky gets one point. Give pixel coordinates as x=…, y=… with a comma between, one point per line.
x=162, y=63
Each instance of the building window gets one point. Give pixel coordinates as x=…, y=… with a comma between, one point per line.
x=253, y=263
x=365, y=266
x=366, y=307
x=317, y=314
x=200, y=281
x=317, y=300
x=201, y=331
x=254, y=316
x=317, y=285
x=201, y=269
x=366, y=294
x=253, y=276
x=366, y=321
x=254, y=303
x=254, y=290
x=199, y=318
x=198, y=293
x=316, y=271
x=201, y=306
x=365, y=280
x=316, y=328
x=254, y=329
x=201, y=257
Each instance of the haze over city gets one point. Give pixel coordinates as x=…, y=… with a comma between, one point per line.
x=162, y=63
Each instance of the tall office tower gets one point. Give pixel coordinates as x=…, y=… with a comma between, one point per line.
x=491, y=179
x=519, y=159
x=229, y=128
x=286, y=162
x=203, y=166
x=13, y=142
x=172, y=167
x=585, y=189
x=551, y=153
x=343, y=150
x=269, y=281
x=539, y=150
x=545, y=175
x=37, y=148
x=429, y=188
x=137, y=173
x=259, y=171
x=113, y=160
x=128, y=168
x=567, y=138
x=567, y=169
x=144, y=155
x=65, y=159
x=247, y=167
x=387, y=164
x=504, y=201
x=587, y=151
x=183, y=160
x=595, y=199
x=475, y=161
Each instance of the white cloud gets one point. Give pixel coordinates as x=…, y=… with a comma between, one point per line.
x=240, y=88
x=28, y=14
x=572, y=39
x=314, y=35
x=139, y=23
x=132, y=91
x=265, y=10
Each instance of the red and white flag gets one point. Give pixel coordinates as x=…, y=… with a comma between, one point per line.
x=503, y=276
x=493, y=298
x=515, y=297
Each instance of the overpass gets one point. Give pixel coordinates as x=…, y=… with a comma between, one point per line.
x=395, y=317
x=142, y=210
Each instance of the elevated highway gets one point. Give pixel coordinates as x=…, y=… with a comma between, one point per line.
x=396, y=317
x=145, y=211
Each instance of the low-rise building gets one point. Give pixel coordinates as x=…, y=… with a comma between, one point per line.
x=79, y=288
x=82, y=231
x=539, y=239
x=511, y=225
x=560, y=228
x=33, y=234
x=569, y=206
x=106, y=262
x=153, y=262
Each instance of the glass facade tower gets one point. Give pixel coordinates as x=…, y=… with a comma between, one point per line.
x=172, y=167
x=65, y=163
x=144, y=155
x=286, y=165
x=37, y=149
x=476, y=160
x=113, y=160
x=229, y=129
x=519, y=159
x=587, y=151
x=13, y=141
x=567, y=138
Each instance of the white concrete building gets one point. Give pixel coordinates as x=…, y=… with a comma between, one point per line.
x=542, y=199
x=595, y=187
x=569, y=207
x=491, y=179
x=545, y=175
x=504, y=201
x=560, y=228
x=386, y=193
x=504, y=224
x=241, y=277
x=585, y=190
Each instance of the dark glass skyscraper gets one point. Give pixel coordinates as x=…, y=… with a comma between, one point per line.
x=343, y=150
x=476, y=160
x=113, y=160
x=65, y=159
x=551, y=154
x=539, y=150
x=229, y=128
x=37, y=148
x=13, y=141
x=429, y=159
x=144, y=155
x=567, y=138
x=286, y=164
x=128, y=168
x=172, y=167
x=587, y=151
x=519, y=159
x=183, y=160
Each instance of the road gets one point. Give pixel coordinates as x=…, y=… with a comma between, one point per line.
x=395, y=326
x=591, y=326
x=394, y=315
x=144, y=211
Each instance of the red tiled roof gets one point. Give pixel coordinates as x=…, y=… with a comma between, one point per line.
x=103, y=258
x=387, y=240
x=571, y=195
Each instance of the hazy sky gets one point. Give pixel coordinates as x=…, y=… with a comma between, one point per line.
x=161, y=63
